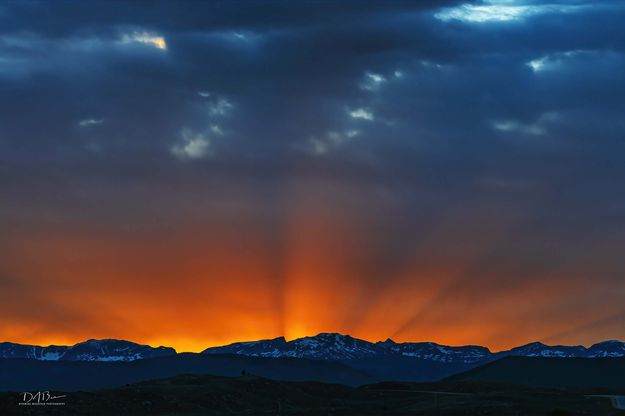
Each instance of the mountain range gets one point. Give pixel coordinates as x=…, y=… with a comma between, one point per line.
x=324, y=346
x=332, y=346
x=326, y=357
x=91, y=350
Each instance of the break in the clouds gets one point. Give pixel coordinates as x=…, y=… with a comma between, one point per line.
x=145, y=38
x=504, y=10
x=438, y=170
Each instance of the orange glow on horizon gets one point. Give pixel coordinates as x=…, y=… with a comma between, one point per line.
x=321, y=267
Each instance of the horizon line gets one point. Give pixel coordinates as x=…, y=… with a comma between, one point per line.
x=154, y=345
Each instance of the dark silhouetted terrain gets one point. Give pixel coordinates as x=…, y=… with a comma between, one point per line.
x=249, y=395
x=28, y=374
x=551, y=372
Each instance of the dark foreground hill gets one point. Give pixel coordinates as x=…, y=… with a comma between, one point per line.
x=550, y=372
x=249, y=395
x=29, y=374
x=410, y=369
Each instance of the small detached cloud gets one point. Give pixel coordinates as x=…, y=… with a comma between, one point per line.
x=538, y=64
x=372, y=81
x=192, y=146
x=145, y=38
x=90, y=122
x=361, y=113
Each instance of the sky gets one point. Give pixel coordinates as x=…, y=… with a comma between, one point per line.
x=197, y=173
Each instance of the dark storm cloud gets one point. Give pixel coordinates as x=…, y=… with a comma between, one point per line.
x=515, y=106
x=455, y=96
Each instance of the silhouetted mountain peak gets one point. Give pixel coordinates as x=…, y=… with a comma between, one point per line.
x=611, y=348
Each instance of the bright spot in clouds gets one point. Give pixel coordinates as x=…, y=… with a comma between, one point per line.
x=372, y=81
x=472, y=13
x=553, y=61
x=192, y=146
x=498, y=11
x=145, y=38
x=537, y=64
x=375, y=78
x=361, y=113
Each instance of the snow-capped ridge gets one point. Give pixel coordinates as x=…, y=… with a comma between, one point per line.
x=339, y=347
x=323, y=346
x=538, y=349
x=90, y=350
